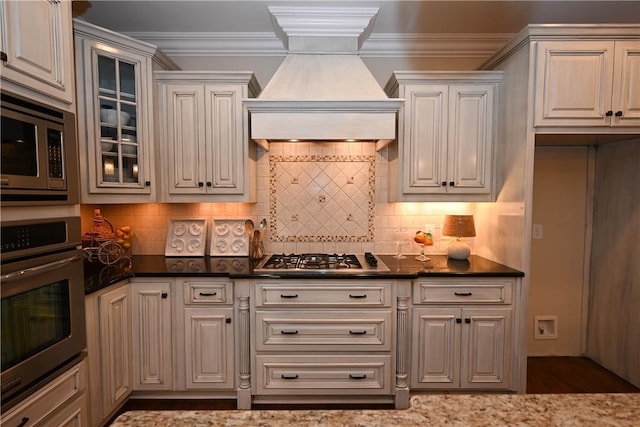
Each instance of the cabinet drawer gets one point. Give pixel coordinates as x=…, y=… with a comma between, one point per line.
x=323, y=374
x=197, y=292
x=53, y=395
x=318, y=295
x=323, y=330
x=461, y=292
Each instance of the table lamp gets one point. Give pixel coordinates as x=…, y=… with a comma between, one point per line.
x=458, y=226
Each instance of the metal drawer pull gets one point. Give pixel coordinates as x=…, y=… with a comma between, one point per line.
x=23, y=421
x=288, y=295
x=357, y=296
x=358, y=377
x=463, y=294
x=358, y=332
x=288, y=332
x=208, y=294
x=289, y=377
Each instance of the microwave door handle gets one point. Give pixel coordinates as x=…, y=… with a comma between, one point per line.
x=21, y=274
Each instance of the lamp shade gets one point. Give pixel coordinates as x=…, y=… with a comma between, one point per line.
x=459, y=226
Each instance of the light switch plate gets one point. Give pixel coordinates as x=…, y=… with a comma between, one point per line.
x=537, y=232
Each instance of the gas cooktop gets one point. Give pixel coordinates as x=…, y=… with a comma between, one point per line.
x=315, y=263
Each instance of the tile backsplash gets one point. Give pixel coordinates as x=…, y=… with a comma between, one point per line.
x=317, y=197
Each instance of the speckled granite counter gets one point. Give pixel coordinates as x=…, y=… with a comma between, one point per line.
x=426, y=410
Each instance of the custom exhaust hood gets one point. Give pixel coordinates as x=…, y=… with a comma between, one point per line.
x=323, y=91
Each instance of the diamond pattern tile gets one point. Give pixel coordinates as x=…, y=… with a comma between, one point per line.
x=316, y=198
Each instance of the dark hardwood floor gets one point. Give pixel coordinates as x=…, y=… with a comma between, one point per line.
x=545, y=375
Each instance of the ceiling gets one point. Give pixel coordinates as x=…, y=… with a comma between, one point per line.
x=395, y=16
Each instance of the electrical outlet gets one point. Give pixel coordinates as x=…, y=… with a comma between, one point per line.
x=546, y=327
x=537, y=231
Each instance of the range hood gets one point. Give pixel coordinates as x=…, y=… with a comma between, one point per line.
x=323, y=91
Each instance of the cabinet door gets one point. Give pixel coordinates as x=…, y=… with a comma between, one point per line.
x=152, y=343
x=185, y=133
x=115, y=347
x=436, y=348
x=486, y=348
x=573, y=83
x=425, y=127
x=227, y=147
x=470, y=142
x=626, y=86
x=36, y=37
x=209, y=348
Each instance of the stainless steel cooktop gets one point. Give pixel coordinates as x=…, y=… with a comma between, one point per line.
x=317, y=263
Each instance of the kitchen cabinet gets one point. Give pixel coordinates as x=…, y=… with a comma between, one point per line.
x=108, y=316
x=462, y=334
x=205, y=136
x=207, y=356
x=37, y=50
x=591, y=83
x=151, y=303
x=116, y=127
x=446, y=132
x=327, y=339
x=61, y=402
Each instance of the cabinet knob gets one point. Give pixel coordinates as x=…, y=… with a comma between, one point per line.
x=147, y=183
x=458, y=320
x=209, y=184
x=201, y=184
x=451, y=183
x=609, y=113
x=467, y=320
x=618, y=113
x=3, y=57
x=443, y=183
x=227, y=320
x=164, y=295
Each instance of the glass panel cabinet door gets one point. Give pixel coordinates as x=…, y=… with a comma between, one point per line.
x=118, y=106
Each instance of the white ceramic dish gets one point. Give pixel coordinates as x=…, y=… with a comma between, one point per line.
x=110, y=116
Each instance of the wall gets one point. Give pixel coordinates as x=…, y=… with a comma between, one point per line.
x=557, y=260
x=150, y=221
x=614, y=312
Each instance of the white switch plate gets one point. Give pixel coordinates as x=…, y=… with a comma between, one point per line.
x=537, y=231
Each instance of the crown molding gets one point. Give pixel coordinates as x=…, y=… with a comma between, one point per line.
x=378, y=45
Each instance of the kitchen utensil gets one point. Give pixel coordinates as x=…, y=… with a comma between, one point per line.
x=248, y=226
x=256, y=248
x=262, y=227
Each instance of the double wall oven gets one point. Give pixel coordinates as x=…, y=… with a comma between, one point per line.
x=42, y=302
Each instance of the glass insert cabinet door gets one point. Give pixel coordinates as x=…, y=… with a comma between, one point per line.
x=119, y=142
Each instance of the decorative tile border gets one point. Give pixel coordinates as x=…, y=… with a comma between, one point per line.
x=322, y=198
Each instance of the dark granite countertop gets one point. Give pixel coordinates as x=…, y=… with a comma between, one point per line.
x=98, y=276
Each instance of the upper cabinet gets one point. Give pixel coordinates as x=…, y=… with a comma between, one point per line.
x=116, y=131
x=207, y=154
x=37, y=50
x=587, y=83
x=446, y=132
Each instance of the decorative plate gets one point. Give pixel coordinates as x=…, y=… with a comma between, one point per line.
x=186, y=237
x=228, y=238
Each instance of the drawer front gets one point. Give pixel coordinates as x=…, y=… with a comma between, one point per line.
x=323, y=374
x=67, y=386
x=318, y=295
x=207, y=292
x=323, y=330
x=461, y=292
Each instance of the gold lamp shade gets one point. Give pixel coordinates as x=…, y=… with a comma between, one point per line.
x=459, y=226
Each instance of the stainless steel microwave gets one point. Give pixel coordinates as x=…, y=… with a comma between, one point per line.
x=38, y=151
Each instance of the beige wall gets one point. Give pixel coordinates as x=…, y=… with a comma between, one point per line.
x=557, y=260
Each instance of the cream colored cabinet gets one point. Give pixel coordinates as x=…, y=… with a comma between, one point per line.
x=37, y=50
x=151, y=304
x=207, y=355
x=108, y=314
x=61, y=402
x=587, y=83
x=206, y=149
x=462, y=335
x=117, y=137
x=328, y=339
x=446, y=132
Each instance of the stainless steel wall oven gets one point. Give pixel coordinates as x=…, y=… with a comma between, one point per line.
x=42, y=297
x=38, y=154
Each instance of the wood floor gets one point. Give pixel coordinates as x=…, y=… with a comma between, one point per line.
x=545, y=375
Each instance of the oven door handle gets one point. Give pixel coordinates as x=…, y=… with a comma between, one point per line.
x=21, y=274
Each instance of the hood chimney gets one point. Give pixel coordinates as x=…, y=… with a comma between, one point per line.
x=323, y=91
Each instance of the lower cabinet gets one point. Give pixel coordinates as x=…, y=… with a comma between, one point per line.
x=61, y=402
x=462, y=335
x=109, y=347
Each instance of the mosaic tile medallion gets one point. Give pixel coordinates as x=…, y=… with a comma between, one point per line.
x=318, y=198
